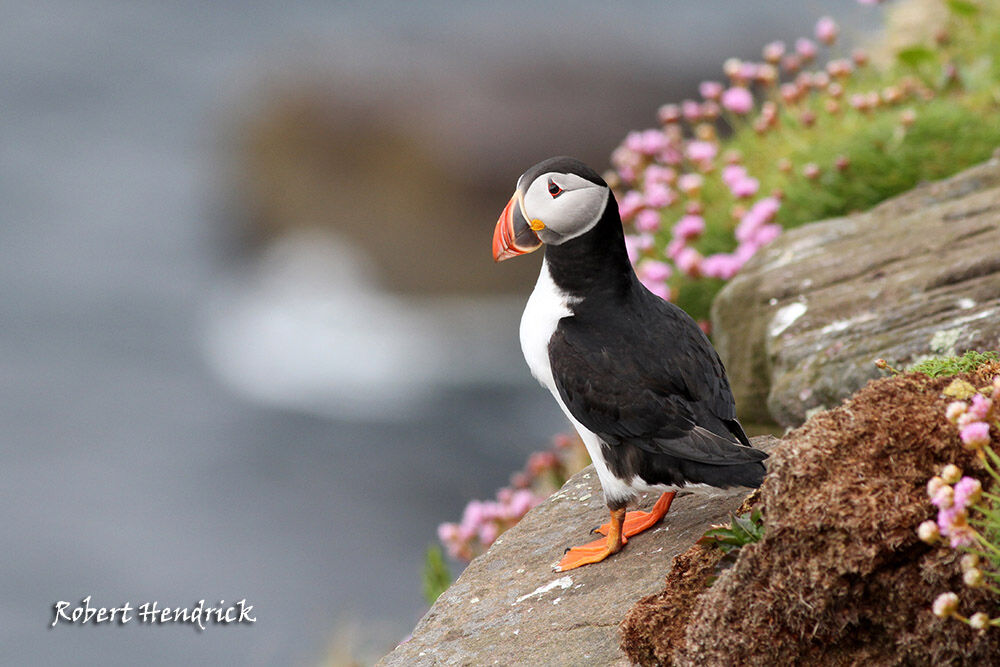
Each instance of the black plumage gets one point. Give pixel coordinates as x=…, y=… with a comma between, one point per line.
x=639, y=372
x=639, y=379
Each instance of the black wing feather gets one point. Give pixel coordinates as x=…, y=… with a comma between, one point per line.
x=662, y=389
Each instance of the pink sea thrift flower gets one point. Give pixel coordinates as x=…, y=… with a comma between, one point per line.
x=745, y=187
x=654, y=271
x=806, y=48
x=690, y=184
x=669, y=113
x=774, y=51
x=701, y=151
x=689, y=226
x=720, y=265
x=737, y=99
x=975, y=435
x=944, y=498
x=732, y=173
x=630, y=204
x=710, y=90
x=968, y=491
x=691, y=111
x=981, y=407
x=488, y=532
x=659, y=195
x=827, y=30
x=689, y=261
x=656, y=173
x=766, y=234
x=647, y=220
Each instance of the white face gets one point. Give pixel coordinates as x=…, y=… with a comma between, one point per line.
x=566, y=204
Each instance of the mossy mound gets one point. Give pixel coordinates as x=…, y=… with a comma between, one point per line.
x=840, y=576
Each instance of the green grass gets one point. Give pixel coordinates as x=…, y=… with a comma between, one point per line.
x=945, y=366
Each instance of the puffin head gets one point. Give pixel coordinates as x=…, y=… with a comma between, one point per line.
x=555, y=201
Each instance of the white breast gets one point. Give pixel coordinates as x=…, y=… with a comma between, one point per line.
x=546, y=306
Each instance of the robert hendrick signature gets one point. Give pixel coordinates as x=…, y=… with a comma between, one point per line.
x=151, y=613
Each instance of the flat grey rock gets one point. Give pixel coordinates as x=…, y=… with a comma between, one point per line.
x=510, y=608
x=801, y=325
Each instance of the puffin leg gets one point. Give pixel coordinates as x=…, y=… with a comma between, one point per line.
x=636, y=522
x=598, y=550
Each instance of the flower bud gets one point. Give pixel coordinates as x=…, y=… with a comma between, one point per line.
x=944, y=498
x=979, y=621
x=928, y=532
x=969, y=562
x=945, y=605
x=973, y=578
x=955, y=410
x=934, y=485
x=951, y=473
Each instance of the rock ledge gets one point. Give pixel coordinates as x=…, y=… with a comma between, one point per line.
x=510, y=607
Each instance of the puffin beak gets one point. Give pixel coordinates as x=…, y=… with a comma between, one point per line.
x=513, y=235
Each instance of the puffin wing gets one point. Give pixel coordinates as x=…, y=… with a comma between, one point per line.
x=655, y=391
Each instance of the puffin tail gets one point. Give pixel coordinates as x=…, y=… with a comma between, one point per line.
x=723, y=476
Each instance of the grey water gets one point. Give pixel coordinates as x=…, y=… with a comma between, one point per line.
x=129, y=471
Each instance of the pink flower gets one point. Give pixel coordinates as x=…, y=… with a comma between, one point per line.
x=654, y=271
x=690, y=183
x=647, y=220
x=689, y=226
x=944, y=498
x=630, y=204
x=774, y=51
x=745, y=187
x=488, y=533
x=732, y=173
x=659, y=195
x=659, y=174
x=981, y=407
x=720, y=265
x=644, y=241
x=701, y=151
x=669, y=113
x=473, y=514
x=522, y=501
x=806, y=48
x=447, y=532
x=691, y=111
x=710, y=90
x=688, y=261
x=653, y=142
x=975, y=435
x=744, y=252
x=737, y=99
x=968, y=491
x=766, y=208
x=766, y=234
x=827, y=30
x=675, y=247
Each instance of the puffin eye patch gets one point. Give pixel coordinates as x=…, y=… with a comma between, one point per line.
x=554, y=189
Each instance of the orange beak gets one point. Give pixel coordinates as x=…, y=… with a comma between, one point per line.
x=513, y=235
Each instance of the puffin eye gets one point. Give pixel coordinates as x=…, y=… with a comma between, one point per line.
x=554, y=189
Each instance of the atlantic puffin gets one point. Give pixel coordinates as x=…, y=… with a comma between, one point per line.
x=633, y=373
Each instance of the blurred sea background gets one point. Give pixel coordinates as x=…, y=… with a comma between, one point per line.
x=253, y=343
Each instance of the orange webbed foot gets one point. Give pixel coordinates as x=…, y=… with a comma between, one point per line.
x=638, y=521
